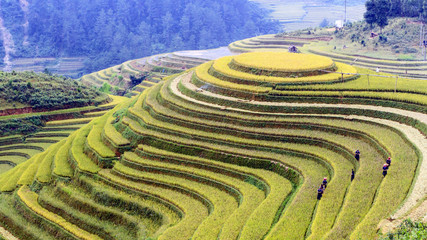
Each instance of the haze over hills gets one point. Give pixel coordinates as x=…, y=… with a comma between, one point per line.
x=71, y=36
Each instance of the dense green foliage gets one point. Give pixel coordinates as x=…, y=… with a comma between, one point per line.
x=111, y=32
x=377, y=11
x=21, y=126
x=42, y=91
x=408, y=230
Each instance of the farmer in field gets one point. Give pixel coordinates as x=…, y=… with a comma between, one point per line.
x=357, y=155
x=352, y=175
x=320, y=192
x=388, y=161
x=385, y=168
x=325, y=182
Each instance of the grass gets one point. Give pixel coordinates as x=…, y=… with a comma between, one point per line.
x=282, y=62
x=28, y=175
x=376, y=83
x=104, y=227
x=408, y=230
x=310, y=169
x=208, y=173
x=94, y=139
x=9, y=180
x=341, y=169
x=44, y=171
x=112, y=134
x=201, y=73
x=195, y=211
x=378, y=137
x=66, y=122
x=62, y=166
x=13, y=159
x=116, y=100
x=419, y=99
x=245, y=211
x=220, y=66
x=11, y=105
x=29, y=198
x=78, y=199
x=251, y=196
x=324, y=110
x=63, y=111
x=96, y=114
x=141, y=207
x=344, y=173
x=16, y=223
x=80, y=159
x=4, y=167
x=223, y=202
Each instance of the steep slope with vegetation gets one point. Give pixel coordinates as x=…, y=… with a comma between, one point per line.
x=235, y=148
x=45, y=92
x=29, y=99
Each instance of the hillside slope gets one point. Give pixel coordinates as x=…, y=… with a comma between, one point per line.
x=236, y=147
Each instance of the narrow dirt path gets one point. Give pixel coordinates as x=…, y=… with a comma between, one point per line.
x=8, y=43
x=419, y=191
x=7, y=235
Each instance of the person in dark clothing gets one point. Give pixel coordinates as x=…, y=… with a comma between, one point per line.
x=385, y=168
x=352, y=175
x=319, y=192
x=388, y=161
x=325, y=182
x=357, y=155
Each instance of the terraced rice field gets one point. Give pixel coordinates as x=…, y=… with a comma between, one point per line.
x=157, y=67
x=18, y=149
x=319, y=45
x=234, y=149
x=413, y=69
x=72, y=66
x=266, y=43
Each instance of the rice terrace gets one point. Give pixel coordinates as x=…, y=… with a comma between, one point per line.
x=277, y=136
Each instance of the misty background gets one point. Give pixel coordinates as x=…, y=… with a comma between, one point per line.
x=77, y=37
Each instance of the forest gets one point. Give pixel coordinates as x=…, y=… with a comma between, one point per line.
x=110, y=32
x=401, y=8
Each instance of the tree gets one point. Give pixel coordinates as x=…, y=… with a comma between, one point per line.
x=167, y=25
x=383, y=7
x=376, y=13
x=395, y=8
x=424, y=13
x=177, y=43
x=411, y=8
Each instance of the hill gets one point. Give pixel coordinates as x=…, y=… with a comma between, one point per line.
x=60, y=35
x=400, y=40
x=28, y=92
x=46, y=92
x=396, y=51
x=234, y=148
